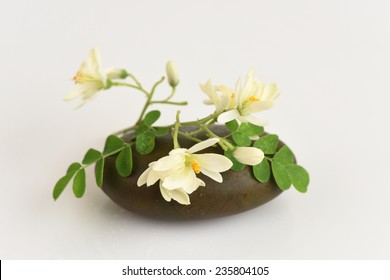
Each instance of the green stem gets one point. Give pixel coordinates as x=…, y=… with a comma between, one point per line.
x=208, y=121
x=227, y=136
x=211, y=122
x=189, y=137
x=148, y=101
x=137, y=87
x=183, y=103
x=269, y=159
x=171, y=95
x=225, y=145
x=104, y=156
x=176, y=131
x=134, y=79
x=195, y=132
x=202, y=121
x=125, y=130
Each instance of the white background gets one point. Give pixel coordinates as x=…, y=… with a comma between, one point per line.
x=330, y=59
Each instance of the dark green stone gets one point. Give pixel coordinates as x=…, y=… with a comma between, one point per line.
x=238, y=192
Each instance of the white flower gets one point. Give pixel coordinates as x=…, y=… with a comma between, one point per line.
x=248, y=155
x=90, y=78
x=221, y=96
x=251, y=97
x=177, y=171
x=172, y=73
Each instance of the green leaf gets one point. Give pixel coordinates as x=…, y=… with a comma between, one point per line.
x=161, y=131
x=151, y=117
x=124, y=162
x=79, y=183
x=267, y=143
x=281, y=175
x=284, y=156
x=64, y=181
x=141, y=129
x=237, y=166
x=113, y=143
x=299, y=177
x=250, y=129
x=73, y=168
x=61, y=185
x=144, y=143
x=91, y=156
x=262, y=171
x=241, y=139
x=99, y=172
x=232, y=125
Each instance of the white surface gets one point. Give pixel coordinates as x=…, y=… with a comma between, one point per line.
x=330, y=58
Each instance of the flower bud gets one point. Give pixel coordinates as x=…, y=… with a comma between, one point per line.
x=173, y=75
x=113, y=74
x=248, y=155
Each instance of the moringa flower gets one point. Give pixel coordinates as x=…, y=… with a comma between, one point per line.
x=221, y=96
x=177, y=171
x=248, y=155
x=250, y=97
x=89, y=79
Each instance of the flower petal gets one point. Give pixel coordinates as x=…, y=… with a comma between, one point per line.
x=143, y=178
x=270, y=93
x=76, y=92
x=164, y=193
x=200, y=182
x=202, y=145
x=169, y=163
x=185, y=179
x=207, y=88
x=247, y=89
x=177, y=151
x=179, y=195
x=257, y=106
x=152, y=178
x=252, y=119
x=228, y=116
x=239, y=92
x=93, y=61
x=212, y=174
x=224, y=102
x=89, y=93
x=213, y=162
x=226, y=98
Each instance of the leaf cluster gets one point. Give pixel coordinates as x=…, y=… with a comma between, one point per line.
x=243, y=134
x=278, y=163
x=144, y=141
x=282, y=165
x=76, y=171
x=146, y=134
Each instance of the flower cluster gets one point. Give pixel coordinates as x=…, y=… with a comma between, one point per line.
x=179, y=173
x=248, y=98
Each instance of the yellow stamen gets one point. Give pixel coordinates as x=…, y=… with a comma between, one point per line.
x=77, y=77
x=196, y=167
x=252, y=98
